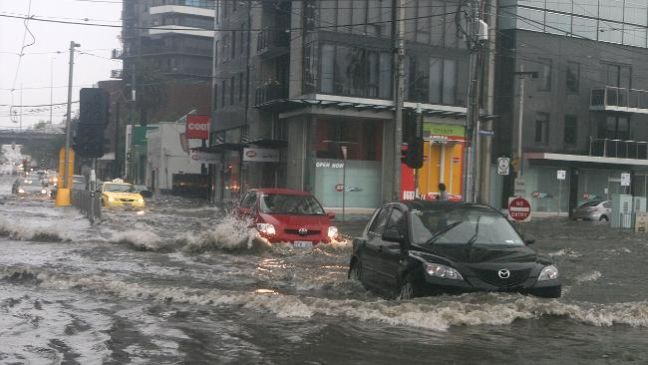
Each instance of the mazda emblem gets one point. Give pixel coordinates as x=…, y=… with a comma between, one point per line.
x=303, y=231
x=504, y=274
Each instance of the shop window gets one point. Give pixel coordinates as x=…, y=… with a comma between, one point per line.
x=362, y=138
x=542, y=128
x=570, y=131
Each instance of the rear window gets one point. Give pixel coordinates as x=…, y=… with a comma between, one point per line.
x=290, y=204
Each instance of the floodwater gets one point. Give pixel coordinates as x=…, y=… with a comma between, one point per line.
x=182, y=283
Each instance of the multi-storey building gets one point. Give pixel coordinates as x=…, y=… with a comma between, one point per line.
x=586, y=112
x=307, y=78
x=167, y=53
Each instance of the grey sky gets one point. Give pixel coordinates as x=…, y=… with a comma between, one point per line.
x=34, y=74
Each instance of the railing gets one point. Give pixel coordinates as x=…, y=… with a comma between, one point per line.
x=88, y=202
x=617, y=148
x=147, y=50
x=619, y=99
x=268, y=39
x=268, y=93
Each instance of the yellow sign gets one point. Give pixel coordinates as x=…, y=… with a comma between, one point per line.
x=444, y=130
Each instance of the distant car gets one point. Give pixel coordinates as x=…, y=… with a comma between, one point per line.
x=419, y=248
x=143, y=190
x=27, y=187
x=117, y=193
x=594, y=210
x=285, y=215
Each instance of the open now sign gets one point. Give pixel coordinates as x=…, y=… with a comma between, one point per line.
x=198, y=126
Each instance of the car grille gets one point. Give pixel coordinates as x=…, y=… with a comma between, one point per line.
x=309, y=232
x=490, y=276
x=127, y=200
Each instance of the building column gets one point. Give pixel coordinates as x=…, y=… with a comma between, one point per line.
x=388, y=168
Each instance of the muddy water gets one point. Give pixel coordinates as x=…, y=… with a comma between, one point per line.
x=184, y=284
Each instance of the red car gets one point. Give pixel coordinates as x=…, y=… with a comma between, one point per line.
x=285, y=215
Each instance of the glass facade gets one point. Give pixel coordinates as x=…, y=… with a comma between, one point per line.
x=615, y=21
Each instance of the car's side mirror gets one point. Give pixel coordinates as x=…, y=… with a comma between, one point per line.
x=392, y=235
x=331, y=215
x=528, y=239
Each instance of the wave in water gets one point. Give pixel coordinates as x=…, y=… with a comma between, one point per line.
x=437, y=313
x=26, y=232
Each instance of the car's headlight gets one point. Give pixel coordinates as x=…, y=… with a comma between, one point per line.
x=332, y=231
x=442, y=271
x=549, y=273
x=21, y=191
x=43, y=191
x=111, y=199
x=266, y=228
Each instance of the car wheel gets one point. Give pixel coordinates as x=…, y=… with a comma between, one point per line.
x=355, y=273
x=604, y=218
x=411, y=287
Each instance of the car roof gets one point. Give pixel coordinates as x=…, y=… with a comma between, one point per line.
x=281, y=191
x=440, y=205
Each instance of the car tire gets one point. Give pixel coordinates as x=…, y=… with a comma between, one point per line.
x=604, y=218
x=411, y=287
x=355, y=273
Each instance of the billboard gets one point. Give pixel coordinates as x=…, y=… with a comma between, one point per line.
x=198, y=127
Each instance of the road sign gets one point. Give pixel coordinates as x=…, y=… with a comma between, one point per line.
x=519, y=187
x=561, y=174
x=519, y=209
x=625, y=179
x=503, y=166
x=487, y=133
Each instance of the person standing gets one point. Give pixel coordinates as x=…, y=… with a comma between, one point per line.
x=443, y=194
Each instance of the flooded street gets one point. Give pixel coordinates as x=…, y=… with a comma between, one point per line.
x=182, y=283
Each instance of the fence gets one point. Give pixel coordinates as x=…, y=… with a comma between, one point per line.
x=88, y=202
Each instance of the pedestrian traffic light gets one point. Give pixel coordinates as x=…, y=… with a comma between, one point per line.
x=414, y=158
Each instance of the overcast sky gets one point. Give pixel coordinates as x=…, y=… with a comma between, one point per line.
x=34, y=75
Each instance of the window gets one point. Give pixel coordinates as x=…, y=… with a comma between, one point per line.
x=617, y=75
x=328, y=63
x=545, y=75
x=542, y=128
x=397, y=221
x=223, y=92
x=379, y=223
x=216, y=44
x=215, y=96
x=233, y=44
x=570, y=132
x=231, y=90
x=573, y=77
x=241, y=87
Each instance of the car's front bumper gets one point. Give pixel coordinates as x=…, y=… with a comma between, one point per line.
x=120, y=204
x=473, y=284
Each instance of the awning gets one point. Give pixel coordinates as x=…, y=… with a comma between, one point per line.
x=585, y=158
x=269, y=143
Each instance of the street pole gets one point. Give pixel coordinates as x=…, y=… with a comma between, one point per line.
x=344, y=156
x=399, y=91
x=419, y=134
x=520, y=123
x=487, y=148
x=68, y=119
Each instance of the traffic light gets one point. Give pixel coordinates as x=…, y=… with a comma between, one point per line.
x=93, y=118
x=413, y=135
x=414, y=157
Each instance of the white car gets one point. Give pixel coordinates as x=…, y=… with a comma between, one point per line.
x=594, y=210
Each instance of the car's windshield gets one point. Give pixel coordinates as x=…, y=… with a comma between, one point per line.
x=117, y=188
x=462, y=226
x=592, y=203
x=290, y=204
x=28, y=182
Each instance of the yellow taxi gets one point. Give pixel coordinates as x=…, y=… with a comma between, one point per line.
x=117, y=193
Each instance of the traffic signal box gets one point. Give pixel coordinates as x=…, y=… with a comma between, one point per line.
x=413, y=135
x=93, y=118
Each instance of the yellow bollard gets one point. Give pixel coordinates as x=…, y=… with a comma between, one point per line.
x=63, y=197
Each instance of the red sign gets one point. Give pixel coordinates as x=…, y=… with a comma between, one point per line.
x=198, y=127
x=519, y=209
x=339, y=187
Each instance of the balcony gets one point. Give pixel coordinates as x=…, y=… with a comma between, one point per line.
x=617, y=99
x=269, y=95
x=617, y=148
x=272, y=43
x=179, y=49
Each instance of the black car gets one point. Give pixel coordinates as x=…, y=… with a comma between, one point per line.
x=419, y=248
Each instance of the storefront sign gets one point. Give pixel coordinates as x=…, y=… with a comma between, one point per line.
x=205, y=157
x=260, y=155
x=443, y=130
x=197, y=127
x=325, y=164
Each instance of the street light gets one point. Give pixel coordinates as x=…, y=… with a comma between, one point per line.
x=523, y=75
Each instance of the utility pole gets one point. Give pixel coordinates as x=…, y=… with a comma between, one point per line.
x=64, y=199
x=398, y=28
x=478, y=35
x=487, y=149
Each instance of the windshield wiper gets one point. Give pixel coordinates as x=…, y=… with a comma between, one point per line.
x=474, y=236
x=444, y=230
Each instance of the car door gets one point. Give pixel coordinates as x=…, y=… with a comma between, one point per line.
x=370, y=253
x=390, y=253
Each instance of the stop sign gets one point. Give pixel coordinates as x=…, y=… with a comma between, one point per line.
x=519, y=209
